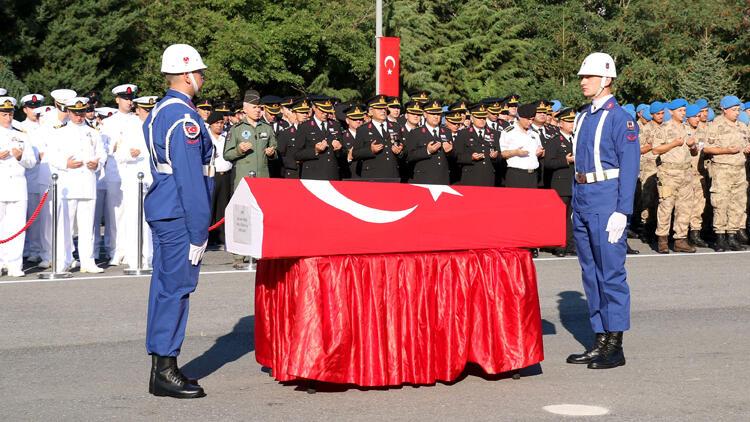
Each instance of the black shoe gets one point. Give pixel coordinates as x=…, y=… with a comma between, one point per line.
x=535, y=253
x=591, y=354
x=695, y=238
x=733, y=243
x=631, y=251
x=742, y=237
x=571, y=251
x=721, y=243
x=167, y=381
x=611, y=355
x=559, y=252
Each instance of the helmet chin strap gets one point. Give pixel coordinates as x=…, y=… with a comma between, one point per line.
x=602, y=85
x=196, y=90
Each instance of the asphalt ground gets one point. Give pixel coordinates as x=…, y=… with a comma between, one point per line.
x=74, y=350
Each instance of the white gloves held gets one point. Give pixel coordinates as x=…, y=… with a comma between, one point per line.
x=196, y=253
x=616, y=226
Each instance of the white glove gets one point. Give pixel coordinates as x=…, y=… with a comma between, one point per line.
x=196, y=253
x=616, y=226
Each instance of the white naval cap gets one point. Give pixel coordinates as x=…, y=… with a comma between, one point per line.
x=105, y=112
x=7, y=104
x=125, y=91
x=77, y=104
x=61, y=96
x=147, y=101
x=43, y=110
x=3, y=91
x=32, y=100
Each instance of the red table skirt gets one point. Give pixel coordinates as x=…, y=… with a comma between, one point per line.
x=391, y=319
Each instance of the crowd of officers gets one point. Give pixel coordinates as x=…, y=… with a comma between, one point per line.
x=692, y=163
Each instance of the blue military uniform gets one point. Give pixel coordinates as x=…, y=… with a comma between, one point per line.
x=178, y=209
x=607, y=155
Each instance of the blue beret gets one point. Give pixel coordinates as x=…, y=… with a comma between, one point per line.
x=746, y=106
x=656, y=107
x=667, y=116
x=744, y=118
x=692, y=110
x=629, y=107
x=556, y=106
x=641, y=107
x=675, y=104
x=730, y=101
x=711, y=114
x=646, y=114
x=702, y=103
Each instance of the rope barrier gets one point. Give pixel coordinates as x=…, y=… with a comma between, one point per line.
x=32, y=219
x=216, y=226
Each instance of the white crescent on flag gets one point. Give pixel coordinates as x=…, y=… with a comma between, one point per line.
x=389, y=58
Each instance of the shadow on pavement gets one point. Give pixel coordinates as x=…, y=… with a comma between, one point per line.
x=574, y=312
x=228, y=348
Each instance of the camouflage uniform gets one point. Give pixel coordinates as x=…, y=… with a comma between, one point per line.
x=728, y=184
x=674, y=176
x=698, y=180
x=647, y=175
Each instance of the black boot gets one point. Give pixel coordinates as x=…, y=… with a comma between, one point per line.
x=631, y=251
x=589, y=354
x=721, y=242
x=742, y=237
x=167, y=380
x=695, y=238
x=611, y=355
x=733, y=243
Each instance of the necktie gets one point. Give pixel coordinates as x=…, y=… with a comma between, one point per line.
x=481, y=135
x=323, y=126
x=435, y=132
x=382, y=130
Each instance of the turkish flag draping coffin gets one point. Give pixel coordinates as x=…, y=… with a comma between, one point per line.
x=281, y=218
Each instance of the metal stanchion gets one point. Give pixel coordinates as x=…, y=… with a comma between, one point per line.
x=53, y=274
x=139, y=270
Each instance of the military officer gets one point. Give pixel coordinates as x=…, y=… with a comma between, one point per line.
x=698, y=181
x=378, y=145
x=477, y=149
x=288, y=142
x=512, y=101
x=16, y=157
x=33, y=245
x=178, y=209
x=354, y=117
x=320, y=148
x=493, y=107
x=521, y=147
x=558, y=162
x=674, y=150
x=77, y=155
x=223, y=181
x=394, y=109
x=727, y=143
x=271, y=110
x=606, y=156
x=412, y=117
x=430, y=149
x=204, y=108
x=647, y=174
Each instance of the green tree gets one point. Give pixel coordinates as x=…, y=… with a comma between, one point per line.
x=706, y=75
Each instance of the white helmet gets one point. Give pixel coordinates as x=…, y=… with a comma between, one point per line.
x=181, y=58
x=598, y=64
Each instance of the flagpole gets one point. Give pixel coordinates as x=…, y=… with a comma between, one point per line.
x=378, y=34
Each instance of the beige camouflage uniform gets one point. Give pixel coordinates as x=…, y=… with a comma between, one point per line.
x=674, y=181
x=698, y=180
x=647, y=174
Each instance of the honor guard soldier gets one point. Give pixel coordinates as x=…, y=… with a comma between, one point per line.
x=558, y=163
x=178, y=209
x=16, y=157
x=289, y=141
x=77, y=154
x=204, y=108
x=521, y=147
x=320, y=148
x=430, y=149
x=378, y=144
x=354, y=117
x=674, y=150
x=477, y=149
x=606, y=153
x=727, y=143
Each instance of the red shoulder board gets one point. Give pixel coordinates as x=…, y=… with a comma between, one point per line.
x=424, y=130
x=471, y=129
x=369, y=125
x=610, y=106
x=312, y=123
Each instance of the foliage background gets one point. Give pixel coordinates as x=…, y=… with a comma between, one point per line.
x=454, y=48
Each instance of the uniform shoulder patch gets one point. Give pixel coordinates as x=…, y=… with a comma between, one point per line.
x=508, y=128
x=192, y=130
x=630, y=125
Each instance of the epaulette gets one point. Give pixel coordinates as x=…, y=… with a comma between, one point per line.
x=89, y=124
x=61, y=125
x=424, y=130
x=20, y=130
x=509, y=128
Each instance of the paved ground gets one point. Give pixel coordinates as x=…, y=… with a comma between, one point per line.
x=73, y=350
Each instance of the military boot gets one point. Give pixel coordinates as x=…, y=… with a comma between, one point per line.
x=682, y=245
x=695, y=238
x=662, y=244
x=721, y=242
x=742, y=237
x=591, y=353
x=167, y=380
x=611, y=355
x=733, y=243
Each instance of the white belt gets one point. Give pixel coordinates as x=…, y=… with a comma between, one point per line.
x=208, y=170
x=594, y=177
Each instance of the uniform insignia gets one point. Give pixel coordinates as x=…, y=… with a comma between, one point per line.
x=610, y=106
x=424, y=130
x=632, y=137
x=192, y=130
x=508, y=129
x=263, y=135
x=630, y=125
x=245, y=134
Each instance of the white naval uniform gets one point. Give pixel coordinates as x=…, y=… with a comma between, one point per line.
x=129, y=168
x=13, y=196
x=33, y=246
x=76, y=190
x=517, y=138
x=109, y=203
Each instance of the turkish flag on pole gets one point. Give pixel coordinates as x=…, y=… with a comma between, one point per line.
x=282, y=218
x=388, y=65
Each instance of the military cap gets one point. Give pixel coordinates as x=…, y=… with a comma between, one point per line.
x=512, y=100
x=414, y=107
x=32, y=100
x=300, y=105
x=556, y=106
x=458, y=107
x=355, y=112
x=43, y=110
x=214, y=117
x=494, y=105
x=692, y=110
x=478, y=110
x=339, y=110
x=433, y=107
x=7, y=104
x=237, y=107
x=567, y=114
x=205, y=104
x=377, y=102
x=126, y=91
x=223, y=106
x=421, y=96
x=272, y=104
x=641, y=107
x=147, y=102
x=322, y=102
x=105, y=112
x=729, y=101
x=286, y=101
x=656, y=107
x=541, y=106
x=251, y=97
x=61, y=96
x=3, y=91
x=678, y=103
x=455, y=117
x=702, y=103
x=527, y=111
x=393, y=102
x=77, y=104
